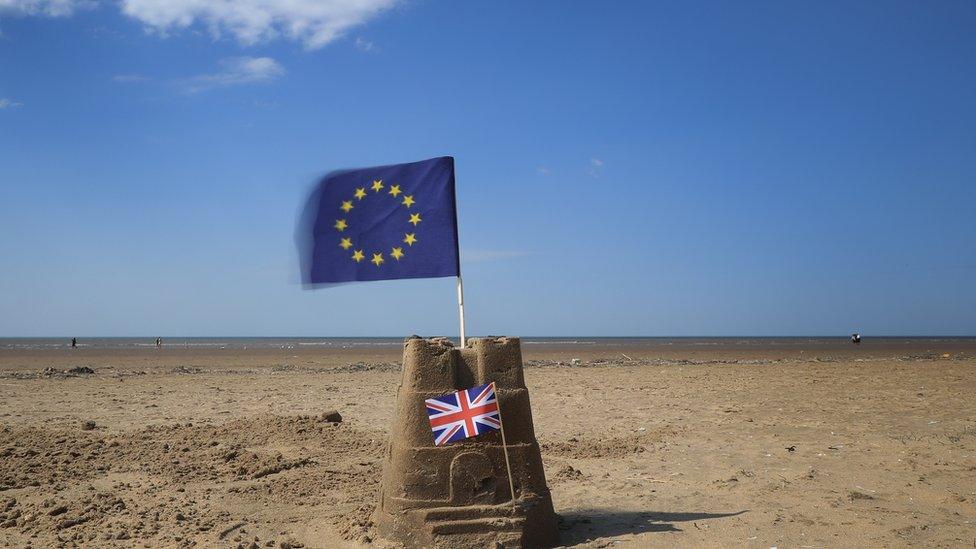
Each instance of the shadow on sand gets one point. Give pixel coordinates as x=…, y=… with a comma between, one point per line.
x=588, y=524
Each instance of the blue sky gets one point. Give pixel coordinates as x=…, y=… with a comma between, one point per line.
x=775, y=168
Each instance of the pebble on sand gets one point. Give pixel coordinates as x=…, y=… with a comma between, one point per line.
x=332, y=416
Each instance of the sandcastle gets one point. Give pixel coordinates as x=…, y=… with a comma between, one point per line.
x=458, y=495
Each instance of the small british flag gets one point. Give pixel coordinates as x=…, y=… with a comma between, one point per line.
x=465, y=413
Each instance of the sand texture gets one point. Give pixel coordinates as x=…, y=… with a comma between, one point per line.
x=459, y=495
x=734, y=445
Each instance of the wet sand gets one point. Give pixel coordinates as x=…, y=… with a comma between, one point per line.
x=684, y=443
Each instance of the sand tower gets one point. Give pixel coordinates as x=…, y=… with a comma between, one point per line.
x=458, y=495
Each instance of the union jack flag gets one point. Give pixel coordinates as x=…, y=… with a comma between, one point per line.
x=465, y=413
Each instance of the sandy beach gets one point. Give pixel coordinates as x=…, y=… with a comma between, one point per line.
x=719, y=443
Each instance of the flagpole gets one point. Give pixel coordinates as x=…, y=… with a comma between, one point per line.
x=460, y=285
x=460, y=292
x=501, y=427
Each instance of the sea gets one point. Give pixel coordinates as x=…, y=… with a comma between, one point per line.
x=41, y=343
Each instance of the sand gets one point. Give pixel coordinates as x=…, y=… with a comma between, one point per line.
x=799, y=444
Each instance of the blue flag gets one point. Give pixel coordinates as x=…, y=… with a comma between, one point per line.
x=383, y=223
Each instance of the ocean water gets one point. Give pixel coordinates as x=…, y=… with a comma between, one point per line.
x=42, y=343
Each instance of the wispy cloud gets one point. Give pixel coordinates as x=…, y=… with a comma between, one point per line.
x=262, y=104
x=235, y=71
x=542, y=170
x=315, y=23
x=9, y=103
x=479, y=255
x=364, y=45
x=50, y=8
x=130, y=78
x=596, y=167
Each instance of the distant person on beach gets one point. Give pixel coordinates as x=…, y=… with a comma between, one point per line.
x=856, y=338
x=159, y=342
x=74, y=342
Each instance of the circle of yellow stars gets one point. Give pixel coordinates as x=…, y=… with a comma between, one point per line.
x=378, y=257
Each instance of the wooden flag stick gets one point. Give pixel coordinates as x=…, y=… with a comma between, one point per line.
x=501, y=424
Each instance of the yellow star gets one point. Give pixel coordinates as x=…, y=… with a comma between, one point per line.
x=397, y=253
x=358, y=256
x=345, y=243
x=414, y=218
x=377, y=185
x=346, y=206
x=408, y=200
x=410, y=238
x=377, y=259
x=395, y=190
x=360, y=193
x=340, y=225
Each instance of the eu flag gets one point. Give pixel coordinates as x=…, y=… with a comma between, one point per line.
x=383, y=223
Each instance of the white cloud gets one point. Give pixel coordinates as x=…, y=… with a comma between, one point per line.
x=313, y=22
x=9, y=104
x=364, y=45
x=542, y=170
x=596, y=166
x=51, y=8
x=129, y=78
x=262, y=104
x=236, y=70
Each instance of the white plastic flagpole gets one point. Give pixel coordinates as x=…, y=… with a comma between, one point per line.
x=460, y=285
x=460, y=289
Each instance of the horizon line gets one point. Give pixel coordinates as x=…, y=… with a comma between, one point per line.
x=570, y=336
